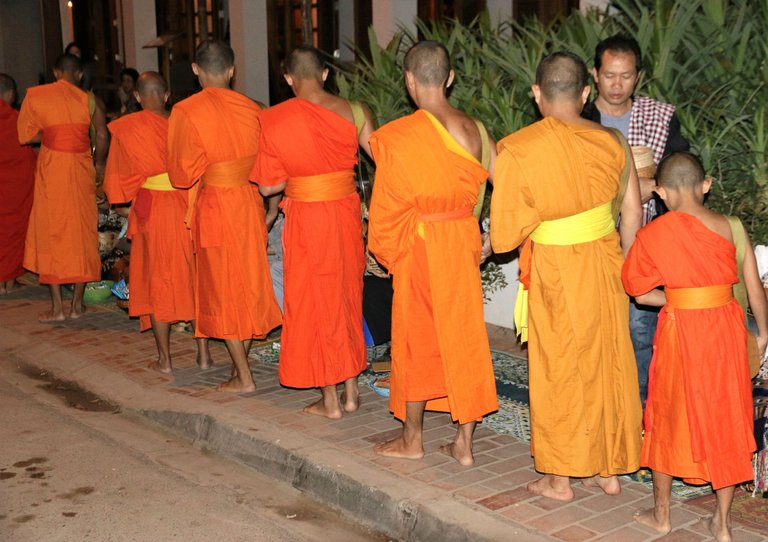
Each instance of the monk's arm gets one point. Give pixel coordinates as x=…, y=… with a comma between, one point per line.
x=365, y=133
x=647, y=185
x=757, y=298
x=102, y=142
x=271, y=190
x=492, y=160
x=273, y=208
x=654, y=298
x=631, y=211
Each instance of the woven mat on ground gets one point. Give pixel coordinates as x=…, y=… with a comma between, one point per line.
x=746, y=509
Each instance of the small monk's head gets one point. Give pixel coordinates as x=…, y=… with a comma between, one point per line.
x=152, y=91
x=427, y=65
x=681, y=174
x=561, y=80
x=305, y=63
x=7, y=89
x=69, y=68
x=214, y=63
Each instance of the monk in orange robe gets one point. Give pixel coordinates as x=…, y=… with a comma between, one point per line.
x=161, y=249
x=698, y=419
x=213, y=139
x=309, y=148
x=428, y=174
x=554, y=187
x=62, y=243
x=17, y=177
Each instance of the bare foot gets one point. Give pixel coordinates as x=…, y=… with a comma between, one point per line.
x=160, y=367
x=609, y=484
x=321, y=409
x=399, y=448
x=543, y=488
x=204, y=361
x=74, y=314
x=50, y=316
x=10, y=286
x=349, y=404
x=459, y=453
x=648, y=518
x=722, y=533
x=235, y=385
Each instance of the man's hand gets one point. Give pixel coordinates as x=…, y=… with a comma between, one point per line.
x=486, y=250
x=647, y=184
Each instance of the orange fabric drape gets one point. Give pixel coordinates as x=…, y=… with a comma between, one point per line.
x=62, y=243
x=315, y=150
x=440, y=351
x=233, y=290
x=162, y=266
x=698, y=418
x=585, y=403
x=17, y=177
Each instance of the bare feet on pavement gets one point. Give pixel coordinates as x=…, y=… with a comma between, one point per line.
x=648, y=518
x=459, y=453
x=319, y=408
x=722, y=533
x=160, y=367
x=235, y=385
x=609, y=484
x=543, y=488
x=349, y=404
x=74, y=314
x=400, y=449
x=204, y=361
x=50, y=316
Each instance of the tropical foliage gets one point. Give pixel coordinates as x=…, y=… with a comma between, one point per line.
x=707, y=57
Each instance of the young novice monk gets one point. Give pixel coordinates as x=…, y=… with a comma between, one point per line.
x=698, y=419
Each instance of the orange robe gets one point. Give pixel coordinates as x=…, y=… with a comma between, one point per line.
x=161, y=249
x=698, y=418
x=62, y=243
x=322, y=341
x=422, y=229
x=17, y=178
x=585, y=404
x=214, y=136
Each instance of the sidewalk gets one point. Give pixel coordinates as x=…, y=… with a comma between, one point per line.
x=426, y=500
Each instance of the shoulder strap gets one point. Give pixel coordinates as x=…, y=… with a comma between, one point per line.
x=485, y=158
x=358, y=116
x=738, y=234
x=624, y=180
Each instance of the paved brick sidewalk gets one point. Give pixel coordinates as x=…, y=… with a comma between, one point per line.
x=105, y=342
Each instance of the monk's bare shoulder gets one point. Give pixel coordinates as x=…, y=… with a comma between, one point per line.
x=338, y=105
x=464, y=130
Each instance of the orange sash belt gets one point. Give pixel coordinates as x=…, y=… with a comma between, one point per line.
x=456, y=214
x=225, y=174
x=72, y=138
x=325, y=187
x=706, y=297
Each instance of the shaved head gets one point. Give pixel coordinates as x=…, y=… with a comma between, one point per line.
x=151, y=83
x=562, y=76
x=305, y=62
x=680, y=170
x=67, y=63
x=429, y=63
x=214, y=57
x=7, y=84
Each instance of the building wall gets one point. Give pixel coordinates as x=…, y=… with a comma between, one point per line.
x=248, y=37
x=21, y=42
x=139, y=27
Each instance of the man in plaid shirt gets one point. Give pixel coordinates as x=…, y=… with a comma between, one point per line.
x=643, y=121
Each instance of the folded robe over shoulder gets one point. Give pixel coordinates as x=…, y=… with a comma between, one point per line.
x=62, y=241
x=322, y=341
x=585, y=403
x=698, y=418
x=216, y=132
x=422, y=229
x=161, y=250
x=17, y=180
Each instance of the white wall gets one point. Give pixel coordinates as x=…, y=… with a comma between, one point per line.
x=500, y=310
x=390, y=15
x=248, y=37
x=139, y=27
x=499, y=10
x=21, y=42
x=346, y=30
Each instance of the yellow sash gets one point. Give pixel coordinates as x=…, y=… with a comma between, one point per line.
x=584, y=227
x=158, y=182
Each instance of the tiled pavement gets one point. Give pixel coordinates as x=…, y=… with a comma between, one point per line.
x=106, y=342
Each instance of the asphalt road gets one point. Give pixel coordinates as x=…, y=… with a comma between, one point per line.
x=73, y=469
